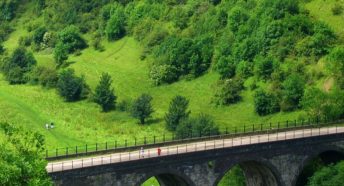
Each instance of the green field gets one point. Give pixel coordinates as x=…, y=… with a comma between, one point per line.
x=82, y=122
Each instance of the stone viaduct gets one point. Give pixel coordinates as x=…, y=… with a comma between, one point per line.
x=276, y=163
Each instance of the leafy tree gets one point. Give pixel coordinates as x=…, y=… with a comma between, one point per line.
x=323, y=105
x=71, y=87
x=46, y=76
x=292, y=90
x=265, y=103
x=199, y=126
x=22, y=157
x=71, y=38
x=177, y=112
x=226, y=67
x=18, y=65
x=142, y=108
x=115, y=27
x=264, y=66
x=329, y=175
x=38, y=35
x=104, y=95
x=60, y=54
x=237, y=17
x=228, y=91
x=336, y=65
x=2, y=49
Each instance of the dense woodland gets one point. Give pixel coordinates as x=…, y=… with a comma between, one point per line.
x=270, y=47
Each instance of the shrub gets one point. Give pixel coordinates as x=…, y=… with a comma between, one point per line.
x=226, y=67
x=265, y=103
x=45, y=76
x=264, y=66
x=115, y=27
x=71, y=38
x=201, y=125
x=332, y=174
x=60, y=54
x=228, y=91
x=17, y=66
x=335, y=64
x=163, y=74
x=38, y=35
x=71, y=87
x=125, y=105
x=292, y=92
x=337, y=9
x=142, y=108
x=177, y=112
x=104, y=95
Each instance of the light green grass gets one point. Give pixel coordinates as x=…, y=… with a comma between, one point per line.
x=322, y=10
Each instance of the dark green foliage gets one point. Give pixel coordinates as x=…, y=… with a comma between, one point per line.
x=71, y=87
x=115, y=26
x=8, y=9
x=201, y=125
x=21, y=157
x=2, y=49
x=38, y=35
x=104, y=95
x=177, y=112
x=237, y=17
x=17, y=66
x=323, y=105
x=71, y=38
x=336, y=65
x=264, y=66
x=60, y=54
x=265, y=102
x=292, y=92
x=45, y=76
x=329, y=175
x=228, y=91
x=226, y=67
x=337, y=9
x=142, y=108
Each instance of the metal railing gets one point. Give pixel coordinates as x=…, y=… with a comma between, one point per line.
x=212, y=144
x=168, y=139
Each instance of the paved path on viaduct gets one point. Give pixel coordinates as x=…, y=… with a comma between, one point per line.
x=267, y=159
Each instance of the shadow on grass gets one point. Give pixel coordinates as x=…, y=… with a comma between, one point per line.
x=152, y=121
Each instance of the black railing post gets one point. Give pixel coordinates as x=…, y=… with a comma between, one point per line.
x=270, y=126
x=57, y=152
x=235, y=130
x=106, y=146
x=96, y=147
x=261, y=127
x=164, y=138
x=135, y=141
x=145, y=140
x=244, y=129
x=86, y=148
x=253, y=128
x=76, y=149
x=126, y=143
x=295, y=123
x=154, y=139
x=116, y=144
x=226, y=130
x=287, y=123
x=278, y=125
x=66, y=151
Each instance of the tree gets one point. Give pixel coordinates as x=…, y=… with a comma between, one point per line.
x=115, y=27
x=329, y=175
x=177, y=112
x=264, y=66
x=199, y=126
x=71, y=87
x=335, y=61
x=292, y=90
x=71, y=38
x=17, y=66
x=142, y=108
x=104, y=95
x=228, y=91
x=21, y=157
x=38, y=35
x=60, y=54
x=265, y=103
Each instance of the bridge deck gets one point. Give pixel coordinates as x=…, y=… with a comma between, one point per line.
x=190, y=147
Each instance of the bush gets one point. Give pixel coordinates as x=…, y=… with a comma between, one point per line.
x=115, y=27
x=163, y=74
x=201, y=125
x=71, y=38
x=264, y=66
x=292, y=92
x=177, y=112
x=2, y=49
x=332, y=174
x=71, y=87
x=226, y=67
x=228, y=91
x=142, y=108
x=45, y=76
x=337, y=9
x=17, y=66
x=60, y=54
x=265, y=103
x=335, y=64
x=125, y=105
x=104, y=95
x=38, y=35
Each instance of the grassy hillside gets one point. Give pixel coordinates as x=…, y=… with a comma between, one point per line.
x=82, y=122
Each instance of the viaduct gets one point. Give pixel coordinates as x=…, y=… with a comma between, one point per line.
x=276, y=159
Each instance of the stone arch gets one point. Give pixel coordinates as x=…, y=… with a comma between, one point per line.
x=329, y=154
x=257, y=173
x=168, y=177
